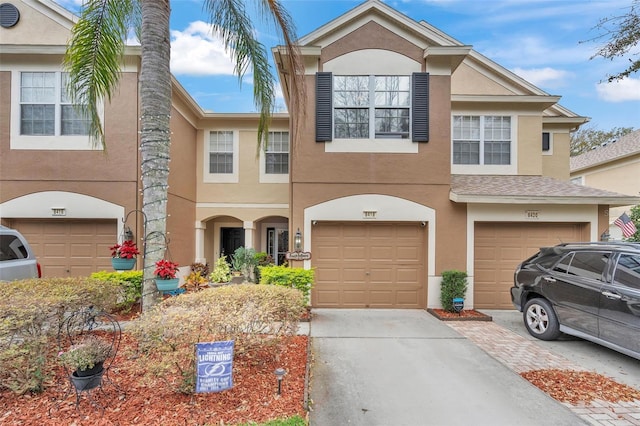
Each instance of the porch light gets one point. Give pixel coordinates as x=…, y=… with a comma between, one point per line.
x=297, y=240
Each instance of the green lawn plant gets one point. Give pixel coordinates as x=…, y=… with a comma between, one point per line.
x=130, y=287
x=454, y=284
x=254, y=316
x=298, y=278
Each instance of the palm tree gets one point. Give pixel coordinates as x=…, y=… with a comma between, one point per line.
x=93, y=59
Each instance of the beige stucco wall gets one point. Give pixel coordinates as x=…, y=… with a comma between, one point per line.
x=556, y=164
x=35, y=28
x=468, y=80
x=529, y=145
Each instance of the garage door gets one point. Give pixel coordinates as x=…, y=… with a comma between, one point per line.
x=500, y=247
x=365, y=265
x=70, y=248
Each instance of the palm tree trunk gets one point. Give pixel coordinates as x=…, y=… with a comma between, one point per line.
x=155, y=99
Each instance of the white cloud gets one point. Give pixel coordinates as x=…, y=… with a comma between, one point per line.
x=544, y=77
x=627, y=89
x=196, y=51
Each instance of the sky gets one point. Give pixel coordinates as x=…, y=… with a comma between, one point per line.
x=547, y=42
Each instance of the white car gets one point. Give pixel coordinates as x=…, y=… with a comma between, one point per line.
x=17, y=260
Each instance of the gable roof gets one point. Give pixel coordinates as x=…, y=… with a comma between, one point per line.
x=513, y=189
x=626, y=146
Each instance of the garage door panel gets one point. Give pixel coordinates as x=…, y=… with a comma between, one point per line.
x=329, y=297
x=381, y=253
x=500, y=247
x=70, y=247
x=375, y=262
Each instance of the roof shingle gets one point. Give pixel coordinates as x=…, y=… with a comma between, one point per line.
x=623, y=147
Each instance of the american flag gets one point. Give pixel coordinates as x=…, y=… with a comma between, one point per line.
x=626, y=224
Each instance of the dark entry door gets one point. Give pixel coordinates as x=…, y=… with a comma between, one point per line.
x=231, y=239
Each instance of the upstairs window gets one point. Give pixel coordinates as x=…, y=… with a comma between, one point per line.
x=221, y=152
x=371, y=105
x=45, y=109
x=481, y=139
x=277, y=153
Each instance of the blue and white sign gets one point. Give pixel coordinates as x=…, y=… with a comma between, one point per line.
x=214, y=366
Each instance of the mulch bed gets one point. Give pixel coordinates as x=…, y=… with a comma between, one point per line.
x=136, y=401
x=464, y=315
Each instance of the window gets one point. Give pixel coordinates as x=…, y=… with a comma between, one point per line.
x=277, y=153
x=221, y=152
x=481, y=139
x=45, y=108
x=371, y=105
x=628, y=271
x=584, y=264
x=546, y=141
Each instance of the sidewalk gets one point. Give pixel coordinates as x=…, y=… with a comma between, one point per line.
x=520, y=354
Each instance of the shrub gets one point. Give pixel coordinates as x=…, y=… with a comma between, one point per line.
x=244, y=260
x=454, y=284
x=221, y=271
x=32, y=315
x=251, y=315
x=130, y=283
x=298, y=278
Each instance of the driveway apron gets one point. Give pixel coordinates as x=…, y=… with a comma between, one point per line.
x=404, y=367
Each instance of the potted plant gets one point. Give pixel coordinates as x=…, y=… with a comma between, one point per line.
x=165, y=272
x=87, y=356
x=123, y=256
x=243, y=261
x=221, y=273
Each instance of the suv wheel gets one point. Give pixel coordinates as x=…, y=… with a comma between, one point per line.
x=541, y=320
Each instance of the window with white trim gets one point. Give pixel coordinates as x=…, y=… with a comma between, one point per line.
x=45, y=108
x=221, y=152
x=277, y=153
x=371, y=105
x=481, y=139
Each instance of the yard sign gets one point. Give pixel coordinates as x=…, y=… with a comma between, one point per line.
x=214, y=365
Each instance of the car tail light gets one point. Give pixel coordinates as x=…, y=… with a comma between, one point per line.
x=39, y=270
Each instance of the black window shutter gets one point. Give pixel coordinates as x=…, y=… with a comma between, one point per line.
x=324, y=106
x=420, y=107
x=546, y=143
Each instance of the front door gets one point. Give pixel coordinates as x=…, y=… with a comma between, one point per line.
x=230, y=240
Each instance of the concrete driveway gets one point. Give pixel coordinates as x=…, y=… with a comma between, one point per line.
x=404, y=367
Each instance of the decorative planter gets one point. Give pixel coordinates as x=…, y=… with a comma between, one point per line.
x=86, y=383
x=167, y=284
x=120, y=264
x=97, y=368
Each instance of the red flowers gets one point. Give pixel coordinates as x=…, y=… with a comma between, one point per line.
x=126, y=250
x=166, y=269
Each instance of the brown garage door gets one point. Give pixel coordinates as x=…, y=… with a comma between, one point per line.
x=500, y=247
x=366, y=265
x=70, y=248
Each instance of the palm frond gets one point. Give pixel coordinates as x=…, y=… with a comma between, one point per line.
x=93, y=56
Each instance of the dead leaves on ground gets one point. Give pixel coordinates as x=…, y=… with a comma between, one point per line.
x=580, y=386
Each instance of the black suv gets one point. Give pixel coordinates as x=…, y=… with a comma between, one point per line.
x=588, y=290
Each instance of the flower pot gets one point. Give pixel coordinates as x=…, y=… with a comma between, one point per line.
x=167, y=284
x=86, y=383
x=97, y=368
x=120, y=264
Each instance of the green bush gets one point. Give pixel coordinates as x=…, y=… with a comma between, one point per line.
x=298, y=278
x=454, y=284
x=130, y=283
x=253, y=316
x=32, y=315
